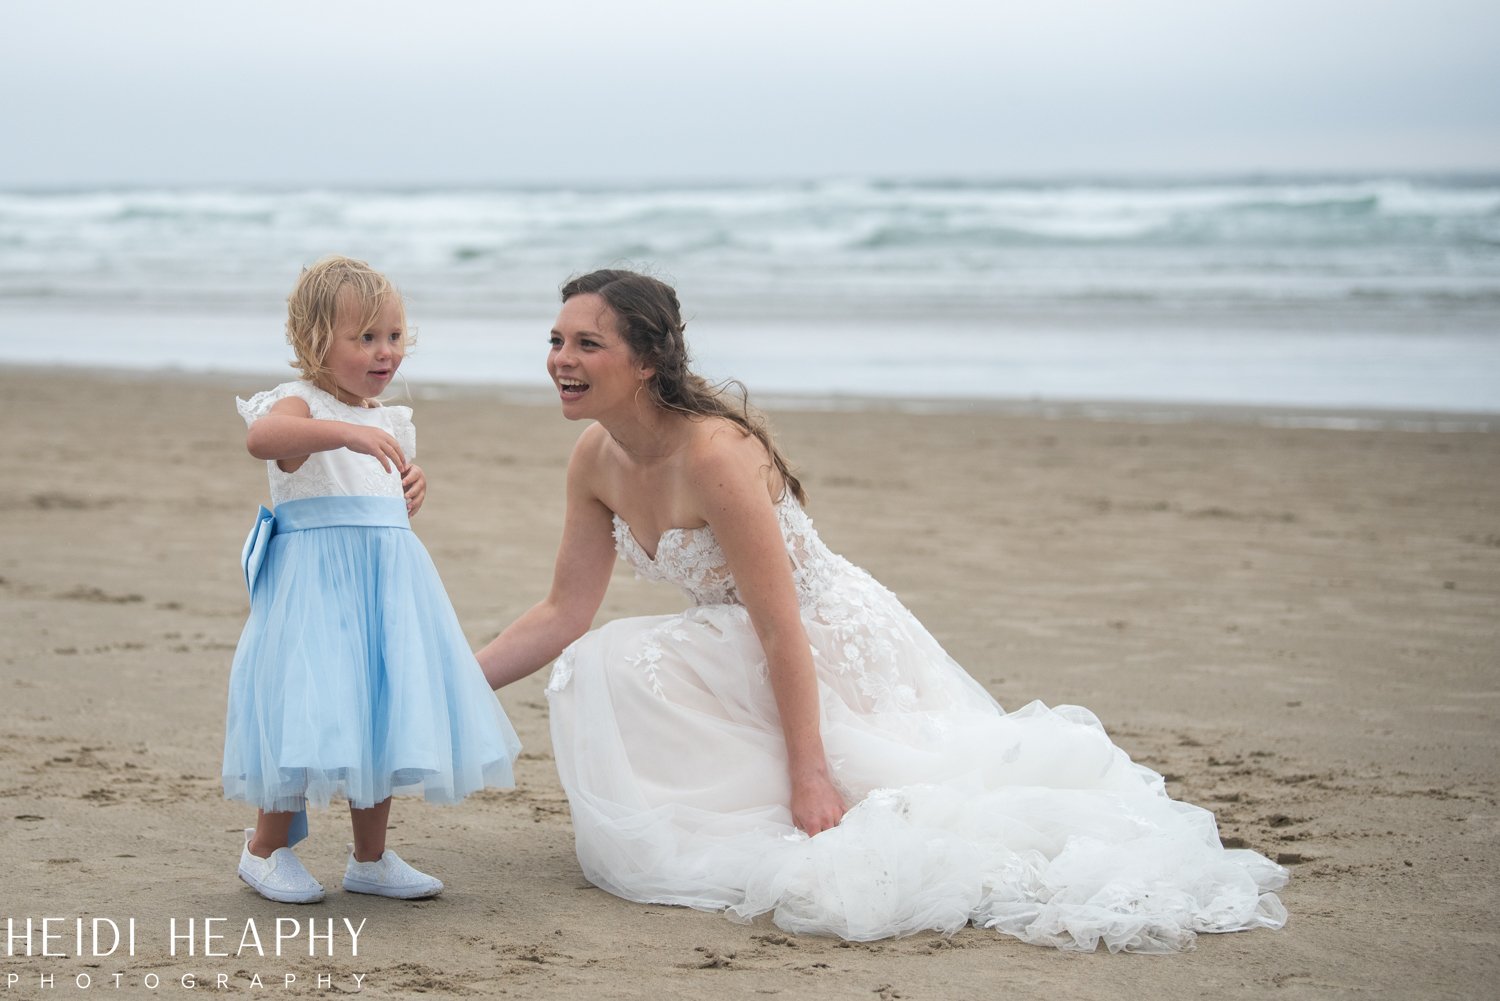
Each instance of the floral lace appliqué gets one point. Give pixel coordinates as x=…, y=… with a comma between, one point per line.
x=687, y=557
x=649, y=656
x=562, y=672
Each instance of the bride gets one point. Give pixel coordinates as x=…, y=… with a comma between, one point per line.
x=795, y=742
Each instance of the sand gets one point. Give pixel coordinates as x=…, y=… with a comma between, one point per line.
x=1297, y=626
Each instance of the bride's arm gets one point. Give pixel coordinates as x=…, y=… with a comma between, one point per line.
x=579, y=579
x=729, y=479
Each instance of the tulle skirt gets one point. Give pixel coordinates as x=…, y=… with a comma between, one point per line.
x=1033, y=823
x=352, y=677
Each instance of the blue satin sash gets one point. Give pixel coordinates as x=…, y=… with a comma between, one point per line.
x=316, y=512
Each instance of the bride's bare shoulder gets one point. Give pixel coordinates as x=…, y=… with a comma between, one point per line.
x=723, y=455
x=590, y=440
x=589, y=451
x=718, y=439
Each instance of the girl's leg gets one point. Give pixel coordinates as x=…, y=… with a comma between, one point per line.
x=271, y=832
x=369, y=830
x=372, y=869
x=284, y=879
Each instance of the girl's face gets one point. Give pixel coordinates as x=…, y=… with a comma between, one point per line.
x=590, y=362
x=361, y=358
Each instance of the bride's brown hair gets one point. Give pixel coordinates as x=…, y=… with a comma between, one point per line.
x=651, y=322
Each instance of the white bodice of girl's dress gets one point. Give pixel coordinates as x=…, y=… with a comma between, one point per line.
x=337, y=472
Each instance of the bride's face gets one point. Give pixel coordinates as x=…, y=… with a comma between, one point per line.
x=590, y=362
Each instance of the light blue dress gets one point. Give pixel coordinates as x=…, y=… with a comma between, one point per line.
x=352, y=677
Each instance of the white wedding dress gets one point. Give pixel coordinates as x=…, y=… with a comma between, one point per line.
x=1033, y=823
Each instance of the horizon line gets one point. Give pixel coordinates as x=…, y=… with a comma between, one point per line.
x=1017, y=178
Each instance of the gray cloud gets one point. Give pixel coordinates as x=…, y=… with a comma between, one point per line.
x=451, y=92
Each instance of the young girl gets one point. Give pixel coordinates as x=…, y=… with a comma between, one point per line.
x=352, y=676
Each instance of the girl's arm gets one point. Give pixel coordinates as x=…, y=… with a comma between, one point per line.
x=579, y=579
x=288, y=434
x=729, y=479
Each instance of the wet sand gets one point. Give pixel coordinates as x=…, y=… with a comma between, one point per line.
x=1299, y=626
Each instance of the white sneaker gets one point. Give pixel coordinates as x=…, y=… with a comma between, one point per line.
x=281, y=877
x=389, y=876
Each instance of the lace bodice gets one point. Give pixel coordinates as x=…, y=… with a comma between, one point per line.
x=691, y=559
x=861, y=626
x=337, y=472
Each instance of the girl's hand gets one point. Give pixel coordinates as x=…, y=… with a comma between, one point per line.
x=373, y=441
x=816, y=804
x=414, y=487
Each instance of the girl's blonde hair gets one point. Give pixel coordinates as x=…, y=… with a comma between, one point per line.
x=312, y=310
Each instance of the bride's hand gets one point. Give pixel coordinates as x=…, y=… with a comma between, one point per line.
x=816, y=804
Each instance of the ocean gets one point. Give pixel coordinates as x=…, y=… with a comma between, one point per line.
x=1338, y=293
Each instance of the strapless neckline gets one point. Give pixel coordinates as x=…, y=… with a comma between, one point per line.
x=623, y=526
x=621, y=523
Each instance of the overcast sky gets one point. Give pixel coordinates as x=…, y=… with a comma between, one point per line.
x=455, y=92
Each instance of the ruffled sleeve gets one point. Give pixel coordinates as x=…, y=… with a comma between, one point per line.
x=399, y=422
x=260, y=404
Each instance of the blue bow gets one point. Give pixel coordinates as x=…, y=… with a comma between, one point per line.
x=256, y=543
x=298, y=830
x=251, y=558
